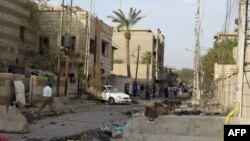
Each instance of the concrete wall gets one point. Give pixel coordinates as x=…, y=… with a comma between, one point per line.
x=225, y=92
x=7, y=89
x=15, y=53
x=37, y=83
x=121, y=69
x=221, y=70
x=174, y=128
x=120, y=81
x=33, y=85
x=177, y=128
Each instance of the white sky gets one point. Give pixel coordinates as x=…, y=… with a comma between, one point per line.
x=176, y=20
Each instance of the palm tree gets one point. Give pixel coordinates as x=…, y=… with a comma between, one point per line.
x=146, y=59
x=126, y=24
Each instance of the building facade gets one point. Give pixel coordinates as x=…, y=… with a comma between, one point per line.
x=100, y=42
x=220, y=36
x=148, y=42
x=18, y=40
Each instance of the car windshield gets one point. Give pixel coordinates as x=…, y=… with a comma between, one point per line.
x=112, y=89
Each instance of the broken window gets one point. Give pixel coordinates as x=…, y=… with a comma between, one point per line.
x=21, y=33
x=104, y=48
x=92, y=46
x=72, y=79
x=73, y=43
x=43, y=45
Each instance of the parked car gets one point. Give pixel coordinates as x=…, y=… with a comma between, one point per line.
x=112, y=95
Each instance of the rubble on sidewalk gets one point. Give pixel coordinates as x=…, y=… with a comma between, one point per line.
x=133, y=113
x=161, y=108
x=104, y=133
x=153, y=112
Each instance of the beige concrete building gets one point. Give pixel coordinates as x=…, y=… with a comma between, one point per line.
x=17, y=36
x=148, y=42
x=220, y=36
x=100, y=51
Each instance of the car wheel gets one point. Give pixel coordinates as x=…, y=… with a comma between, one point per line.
x=111, y=101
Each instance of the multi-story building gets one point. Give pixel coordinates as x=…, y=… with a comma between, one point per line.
x=76, y=25
x=17, y=36
x=220, y=36
x=148, y=42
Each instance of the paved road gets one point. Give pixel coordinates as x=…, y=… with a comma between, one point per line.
x=86, y=117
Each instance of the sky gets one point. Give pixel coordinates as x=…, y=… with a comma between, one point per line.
x=175, y=19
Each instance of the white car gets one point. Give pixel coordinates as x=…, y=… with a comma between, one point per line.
x=112, y=95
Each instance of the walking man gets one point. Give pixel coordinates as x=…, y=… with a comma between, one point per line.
x=47, y=99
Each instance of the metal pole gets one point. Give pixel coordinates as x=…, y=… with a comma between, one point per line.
x=59, y=52
x=241, y=52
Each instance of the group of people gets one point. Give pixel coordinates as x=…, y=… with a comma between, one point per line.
x=153, y=91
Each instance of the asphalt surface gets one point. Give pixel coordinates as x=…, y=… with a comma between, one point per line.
x=86, y=117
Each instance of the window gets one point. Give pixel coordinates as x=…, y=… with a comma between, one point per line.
x=21, y=34
x=72, y=78
x=43, y=45
x=102, y=71
x=73, y=43
x=104, y=48
x=92, y=46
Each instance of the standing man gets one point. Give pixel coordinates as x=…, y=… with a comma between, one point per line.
x=166, y=92
x=126, y=88
x=47, y=99
x=147, y=93
x=153, y=87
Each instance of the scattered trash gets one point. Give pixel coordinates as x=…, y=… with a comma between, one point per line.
x=4, y=138
x=52, y=122
x=117, y=130
x=131, y=113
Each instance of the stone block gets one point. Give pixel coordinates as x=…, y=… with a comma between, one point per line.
x=12, y=120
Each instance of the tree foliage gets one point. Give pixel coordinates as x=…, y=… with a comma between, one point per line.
x=118, y=61
x=221, y=53
x=146, y=57
x=186, y=75
x=126, y=23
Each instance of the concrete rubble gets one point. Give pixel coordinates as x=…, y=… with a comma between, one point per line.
x=174, y=128
x=12, y=120
x=86, y=122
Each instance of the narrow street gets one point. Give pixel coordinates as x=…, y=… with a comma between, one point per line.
x=81, y=118
x=119, y=70
x=86, y=117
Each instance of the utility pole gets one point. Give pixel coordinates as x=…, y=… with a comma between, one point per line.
x=241, y=52
x=86, y=69
x=137, y=62
x=196, y=92
x=67, y=53
x=59, y=52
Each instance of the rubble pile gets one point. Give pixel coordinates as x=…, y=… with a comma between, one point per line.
x=161, y=108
